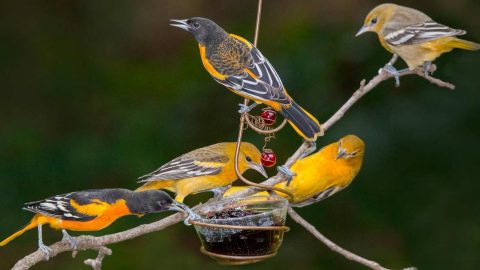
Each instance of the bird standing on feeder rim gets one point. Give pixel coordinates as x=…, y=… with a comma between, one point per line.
x=413, y=36
x=322, y=174
x=203, y=169
x=235, y=63
x=91, y=210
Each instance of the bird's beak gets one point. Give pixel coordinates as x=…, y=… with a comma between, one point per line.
x=259, y=168
x=180, y=24
x=362, y=30
x=176, y=206
x=341, y=153
x=180, y=207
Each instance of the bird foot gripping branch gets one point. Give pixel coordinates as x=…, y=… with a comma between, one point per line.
x=287, y=173
x=246, y=108
x=68, y=238
x=41, y=246
x=389, y=68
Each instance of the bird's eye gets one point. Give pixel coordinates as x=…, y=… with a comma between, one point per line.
x=163, y=202
x=248, y=159
x=374, y=21
x=196, y=25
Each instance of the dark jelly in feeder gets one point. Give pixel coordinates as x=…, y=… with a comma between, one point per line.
x=241, y=230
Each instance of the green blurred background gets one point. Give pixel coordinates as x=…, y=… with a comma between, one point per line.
x=97, y=93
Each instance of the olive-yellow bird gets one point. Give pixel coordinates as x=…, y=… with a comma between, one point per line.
x=203, y=169
x=322, y=174
x=235, y=63
x=413, y=35
x=91, y=210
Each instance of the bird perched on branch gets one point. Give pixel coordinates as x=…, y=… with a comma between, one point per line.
x=322, y=174
x=412, y=35
x=203, y=169
x=91, y=210
x=235, y=63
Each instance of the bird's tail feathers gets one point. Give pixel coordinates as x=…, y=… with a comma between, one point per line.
x=29, y=226
x=464, y=44
x=302, y=122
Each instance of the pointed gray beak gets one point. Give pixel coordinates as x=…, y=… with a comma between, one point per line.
x=180, y=207
x=362, y=30
x=341, y=153
x=259, y=168
x=175, y=206
x=180, y=24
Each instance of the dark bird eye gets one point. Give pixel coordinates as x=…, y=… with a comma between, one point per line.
x=248, y=159
x=374, y=20
x=196, y=25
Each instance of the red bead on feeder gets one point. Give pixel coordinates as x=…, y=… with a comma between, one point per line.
x=269, y=116
x=269, y=159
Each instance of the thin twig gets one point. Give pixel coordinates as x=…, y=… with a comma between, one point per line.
x=96, y=263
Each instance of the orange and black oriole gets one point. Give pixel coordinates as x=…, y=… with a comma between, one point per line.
x=91, y=210
x=237, y=64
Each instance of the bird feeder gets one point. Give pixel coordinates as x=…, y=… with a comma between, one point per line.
x=241, y=230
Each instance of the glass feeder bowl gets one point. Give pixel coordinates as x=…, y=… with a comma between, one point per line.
x=241, y=230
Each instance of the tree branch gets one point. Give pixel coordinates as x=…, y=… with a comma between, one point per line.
x=87, y=242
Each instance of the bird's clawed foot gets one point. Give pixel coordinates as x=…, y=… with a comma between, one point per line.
x=246, y=108
x=286, y=171
x=426, y=69
x=389, y=68
x=218, y=192
x=46, y=250
x=68, y=238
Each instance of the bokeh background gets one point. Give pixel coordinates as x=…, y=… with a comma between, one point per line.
x=97, y=93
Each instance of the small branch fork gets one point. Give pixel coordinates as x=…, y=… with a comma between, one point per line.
x=99, y=244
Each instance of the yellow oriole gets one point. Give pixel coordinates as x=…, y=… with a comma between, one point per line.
x=91, y=210
x=322, y=174
x=203, y=169
x=235, y=63
x=412, y=35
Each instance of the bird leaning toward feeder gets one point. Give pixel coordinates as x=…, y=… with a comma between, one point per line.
x=235, y=63
x=413, y=36
x=322, y=174
x=92, y=210
x=204, y=169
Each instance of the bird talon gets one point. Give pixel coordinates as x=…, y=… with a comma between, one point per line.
x=46, y=250
x=389, y=68
x=68, y=238
x=426, y=69
x=218, y=192
x=287, y=173
x=246, y=108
